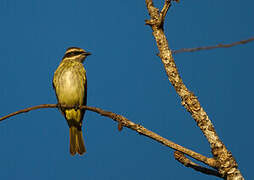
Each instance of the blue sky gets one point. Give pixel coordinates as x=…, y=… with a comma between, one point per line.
x=124, y=76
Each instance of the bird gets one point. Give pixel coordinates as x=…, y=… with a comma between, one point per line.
x=70, y=85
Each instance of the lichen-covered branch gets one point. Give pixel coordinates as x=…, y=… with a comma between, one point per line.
x=226, y=164
x=129, y=124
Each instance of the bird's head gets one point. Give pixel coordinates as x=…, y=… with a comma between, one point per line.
x=76, y=54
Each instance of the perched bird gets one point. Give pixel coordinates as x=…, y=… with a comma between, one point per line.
x=70, y=85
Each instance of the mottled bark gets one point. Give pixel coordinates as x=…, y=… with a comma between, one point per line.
x=226, y=164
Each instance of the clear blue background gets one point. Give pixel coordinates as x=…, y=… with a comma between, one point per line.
x=124, y=76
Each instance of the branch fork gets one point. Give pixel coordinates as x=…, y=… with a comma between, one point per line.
x=156, y=20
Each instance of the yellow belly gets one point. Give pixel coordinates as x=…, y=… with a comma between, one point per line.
x=71, y=89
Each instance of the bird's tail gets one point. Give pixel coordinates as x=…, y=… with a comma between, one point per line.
x=76, y=141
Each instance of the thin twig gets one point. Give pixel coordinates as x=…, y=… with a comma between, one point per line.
x=213, y=47
x=164, y=11
x=188, y=163
x=165, y=8
x=127, y=123
x=29, y=109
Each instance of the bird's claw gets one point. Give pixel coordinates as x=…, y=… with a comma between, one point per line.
x=76, y=107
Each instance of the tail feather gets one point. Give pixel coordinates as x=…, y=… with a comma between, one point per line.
x=80, y=145
x=76, y=141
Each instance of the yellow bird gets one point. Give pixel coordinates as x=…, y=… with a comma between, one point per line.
x=70, y=85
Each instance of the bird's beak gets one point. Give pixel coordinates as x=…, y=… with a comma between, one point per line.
x=87, y=53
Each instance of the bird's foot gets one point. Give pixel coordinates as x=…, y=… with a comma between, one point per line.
x=76, y=107
x=58, y=105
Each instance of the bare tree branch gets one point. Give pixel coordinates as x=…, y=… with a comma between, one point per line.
x=226, y=164
x=213, y=47
x=129, y=124
x=188, y=163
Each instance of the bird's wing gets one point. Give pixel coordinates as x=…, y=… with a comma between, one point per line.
x=82, y=72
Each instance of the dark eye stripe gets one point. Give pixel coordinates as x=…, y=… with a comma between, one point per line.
x=73, y=53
